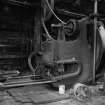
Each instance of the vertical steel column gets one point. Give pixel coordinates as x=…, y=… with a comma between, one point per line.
x=95, y=38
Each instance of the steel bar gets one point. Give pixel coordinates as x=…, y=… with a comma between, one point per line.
x=25, y=81
x=73, y=60
x=95, y=38
x=69, y=13
x=25, y=84
x=21, y=77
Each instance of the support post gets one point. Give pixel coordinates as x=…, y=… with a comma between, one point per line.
x=95, y=38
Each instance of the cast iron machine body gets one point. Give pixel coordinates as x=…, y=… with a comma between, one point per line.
x=70, y=56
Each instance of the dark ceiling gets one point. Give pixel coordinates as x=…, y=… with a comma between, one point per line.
x=78, y=6
x=81, y=6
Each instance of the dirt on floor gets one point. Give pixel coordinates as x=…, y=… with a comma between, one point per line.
x=43, y=95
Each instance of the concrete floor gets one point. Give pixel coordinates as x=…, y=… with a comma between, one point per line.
x=43, y=95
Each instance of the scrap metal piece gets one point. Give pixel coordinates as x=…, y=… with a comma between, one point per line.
x=82, y=92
